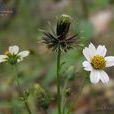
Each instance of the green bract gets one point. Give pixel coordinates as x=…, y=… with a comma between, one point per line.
x=12, y=59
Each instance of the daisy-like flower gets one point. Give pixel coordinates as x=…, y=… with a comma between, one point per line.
x=13, y=55
x=97, y=62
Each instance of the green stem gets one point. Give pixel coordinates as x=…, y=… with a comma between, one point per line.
x=85, y=8
x=21, y=92
x=63, y=97
x=58, y=82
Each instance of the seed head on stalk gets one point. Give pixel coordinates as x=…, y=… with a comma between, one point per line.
x=61, y=40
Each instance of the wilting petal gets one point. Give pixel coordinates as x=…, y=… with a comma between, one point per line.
x=101, y=50
x=104, y=77
x=2, y=58
x=14, y=49
x=94, y=76
x=87, y=66
x=24, y=54
x=109, y=61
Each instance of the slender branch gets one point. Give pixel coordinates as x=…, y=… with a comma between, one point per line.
x=21, y=92
x=63, y=97
x=58, y=82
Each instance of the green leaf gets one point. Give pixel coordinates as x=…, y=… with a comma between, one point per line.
x=51, y=74
x=97, y=5
x=86, y=29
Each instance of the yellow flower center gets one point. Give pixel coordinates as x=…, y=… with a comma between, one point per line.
x=7, y=53
x=98, y=62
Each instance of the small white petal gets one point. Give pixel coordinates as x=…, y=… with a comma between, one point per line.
x=2, y=58
x=86, y=53
x=87, y=66
x=89, y=52
x=104, y=77
x=87, y=69
x=14, y=49
x=101, y=50
x=92, y=49
x=109, y=61
x=94, y=76
x=24, y=54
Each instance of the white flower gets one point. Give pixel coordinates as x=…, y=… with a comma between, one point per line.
x=13, y=55
x=96, y=62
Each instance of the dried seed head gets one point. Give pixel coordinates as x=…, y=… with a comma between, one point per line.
x=61, y=40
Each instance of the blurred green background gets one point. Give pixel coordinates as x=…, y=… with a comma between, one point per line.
x=93, y=19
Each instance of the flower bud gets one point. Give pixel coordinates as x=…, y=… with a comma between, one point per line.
x=42, y=98
x=63, y=25
x=26, y=93
x=37, y=89
x=67, y=92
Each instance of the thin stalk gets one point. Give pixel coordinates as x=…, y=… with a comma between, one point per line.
x=85, y=8
x=63, y=97
x=21, y=92
x=58, y=81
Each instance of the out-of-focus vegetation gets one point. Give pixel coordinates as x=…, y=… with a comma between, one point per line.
x=93, y=19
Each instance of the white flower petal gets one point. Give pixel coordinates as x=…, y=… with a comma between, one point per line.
x=14, y=49
x=2, y=58
x=94, y=76
x=24, y=54
x=86, y=53
x=101, y=50
x=89, y=52
x=109, y=61
x=92, y=49
x=87, y=66
x=104, y=77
